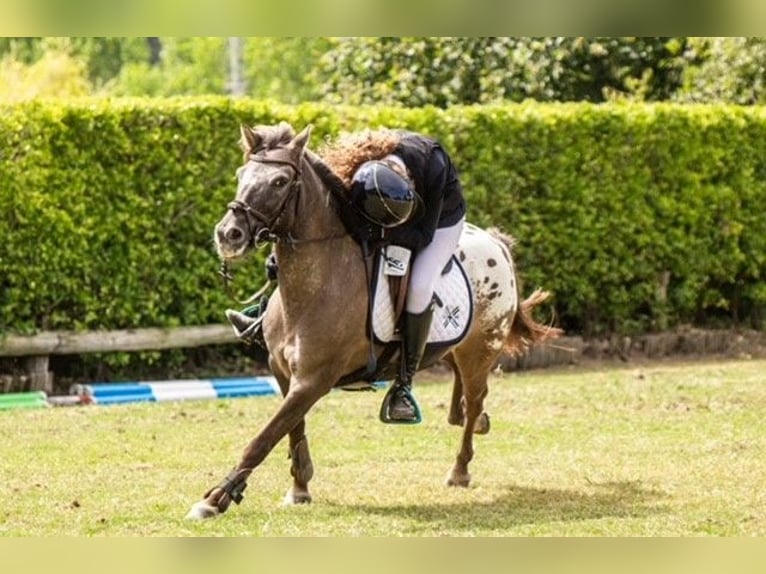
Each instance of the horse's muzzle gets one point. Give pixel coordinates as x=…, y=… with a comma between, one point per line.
x=231, y=238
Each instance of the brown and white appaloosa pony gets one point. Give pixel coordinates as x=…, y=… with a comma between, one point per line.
x=316, y=325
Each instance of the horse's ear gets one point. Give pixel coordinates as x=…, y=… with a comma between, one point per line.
x=299, y=142
x=250, y=140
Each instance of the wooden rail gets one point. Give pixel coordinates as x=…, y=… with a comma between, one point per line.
x=36, y=349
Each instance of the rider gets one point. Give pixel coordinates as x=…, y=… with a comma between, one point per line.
x=432, y=235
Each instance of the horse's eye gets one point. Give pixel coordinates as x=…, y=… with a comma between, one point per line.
x=280, y=182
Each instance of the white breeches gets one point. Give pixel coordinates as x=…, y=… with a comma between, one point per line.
x=428, y=264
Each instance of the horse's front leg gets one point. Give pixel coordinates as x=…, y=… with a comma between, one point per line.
x=288, y=419
x=301, y=467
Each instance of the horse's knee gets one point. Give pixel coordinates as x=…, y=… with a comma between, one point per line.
x=473, y=403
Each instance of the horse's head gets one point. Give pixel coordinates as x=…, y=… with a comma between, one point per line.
x=268, y=184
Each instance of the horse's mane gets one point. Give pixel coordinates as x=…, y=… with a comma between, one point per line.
x=350, y=150
x=336, y=164
x=342, y=157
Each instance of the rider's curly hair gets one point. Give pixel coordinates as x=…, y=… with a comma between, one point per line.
x=348, y=151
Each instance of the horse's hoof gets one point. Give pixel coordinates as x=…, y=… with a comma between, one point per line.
x=292, y=498
x=455, y=479
x=202, y=510
x=481, y=426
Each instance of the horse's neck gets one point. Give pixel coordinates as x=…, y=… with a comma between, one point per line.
x=321, y=258
x=316, y=215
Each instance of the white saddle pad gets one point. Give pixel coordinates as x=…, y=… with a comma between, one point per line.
x=452, y=312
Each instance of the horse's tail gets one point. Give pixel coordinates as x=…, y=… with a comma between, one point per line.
x=525, y=331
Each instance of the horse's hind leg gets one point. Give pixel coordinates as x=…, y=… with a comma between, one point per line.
x=474, y=377
x=456, y=415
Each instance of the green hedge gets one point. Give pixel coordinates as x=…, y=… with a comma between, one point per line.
x=637, y=217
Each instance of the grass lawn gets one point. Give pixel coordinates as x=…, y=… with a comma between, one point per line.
x=664, y=449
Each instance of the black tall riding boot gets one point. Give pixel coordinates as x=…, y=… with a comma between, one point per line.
x=399, y=406
x=248, y=326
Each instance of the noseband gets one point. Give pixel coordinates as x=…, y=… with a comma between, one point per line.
x=268, y=222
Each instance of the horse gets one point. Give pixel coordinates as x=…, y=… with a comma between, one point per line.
x=315, y=324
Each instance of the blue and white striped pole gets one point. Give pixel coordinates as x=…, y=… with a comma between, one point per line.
x=174, y=390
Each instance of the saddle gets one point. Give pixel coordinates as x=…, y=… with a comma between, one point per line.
x=453, y=313
x=453, y=300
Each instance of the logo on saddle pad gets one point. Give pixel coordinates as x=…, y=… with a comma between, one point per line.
x=396, y=260
x=452, y=317
x=453, y=308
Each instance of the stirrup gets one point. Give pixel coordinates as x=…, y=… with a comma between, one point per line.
x=246, y=328
x=239, y=321
x=385, y=407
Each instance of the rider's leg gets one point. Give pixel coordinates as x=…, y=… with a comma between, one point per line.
x=248, y=323
x=426, y=268
x=249, y=329
x=402, y=406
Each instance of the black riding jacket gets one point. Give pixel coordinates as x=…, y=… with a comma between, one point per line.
x=437, y=183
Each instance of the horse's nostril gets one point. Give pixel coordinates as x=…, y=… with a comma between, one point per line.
x=234, y=234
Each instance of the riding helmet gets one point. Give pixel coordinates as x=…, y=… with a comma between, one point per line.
x=382, y=195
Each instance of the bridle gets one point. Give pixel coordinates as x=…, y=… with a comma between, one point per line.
x=276, y=156
x=266, y=233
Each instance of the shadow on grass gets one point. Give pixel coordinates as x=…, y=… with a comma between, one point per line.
x=521, y=505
